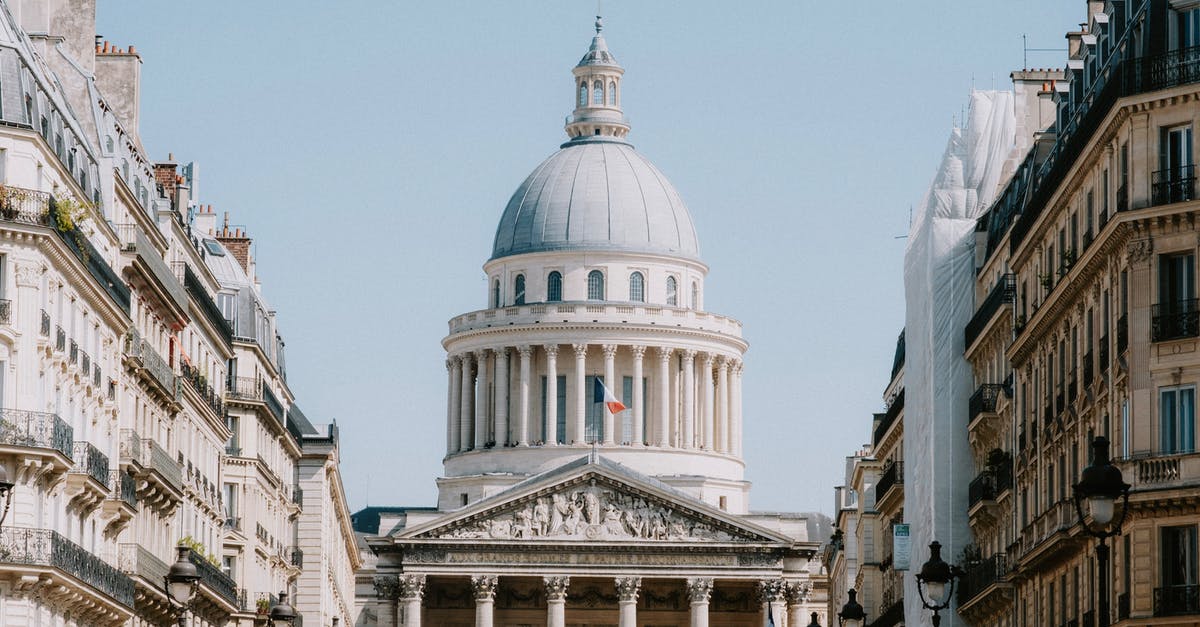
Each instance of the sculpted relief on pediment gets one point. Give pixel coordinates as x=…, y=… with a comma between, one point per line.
x=593, y=512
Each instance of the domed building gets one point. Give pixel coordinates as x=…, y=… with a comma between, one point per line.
x=593, y=471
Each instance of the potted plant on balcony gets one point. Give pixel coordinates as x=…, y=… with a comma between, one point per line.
x=262, y=606
x=1047, y=280
x=1068, y=260
x=10, y=198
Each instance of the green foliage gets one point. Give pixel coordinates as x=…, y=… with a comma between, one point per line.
x=198, y=547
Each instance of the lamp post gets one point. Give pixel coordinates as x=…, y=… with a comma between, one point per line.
x=814, y=622
x=282, y=612
x=852, y=614
x=1100, y=485
x=6, y=492
x=935, y=582
x=180, y=582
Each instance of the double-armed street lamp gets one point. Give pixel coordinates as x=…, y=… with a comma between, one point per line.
x=1100, y=485
x=935, y=582
x=183, y=578
x=852, y=614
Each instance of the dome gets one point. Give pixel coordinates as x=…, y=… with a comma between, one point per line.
x=596, y=194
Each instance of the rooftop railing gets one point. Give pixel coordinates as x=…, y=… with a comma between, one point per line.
x=1171, y=321
x=44, y=547
x=596, y=311
x=34, y=429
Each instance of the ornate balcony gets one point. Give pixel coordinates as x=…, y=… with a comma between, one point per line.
x=199, y=384
x=985, y=490
x=1161, y=471
x=889, y=417
x=102, y=584
x=39, y=440
x=130, y=449
x=890, y=486
x=1049, y=535
x=44, y=329
x=1171, y=321
x=87, y=481
x=1177, y=600
x=147, y=572
x=244, y=389
x=219, y=589
x=160, y=479
x=1173, y=185
x=5, y=311
x=1004, y=292
x=60, y=340
x=121, y=504
x=144, y=360
x=233, y=523
x=983, y=401
x=984, y=588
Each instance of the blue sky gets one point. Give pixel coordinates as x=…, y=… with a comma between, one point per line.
x=370, y=148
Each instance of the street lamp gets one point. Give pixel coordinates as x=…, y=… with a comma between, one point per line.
x=180, y=582
x=935, y=582
x=814, y=622
x=1100, y=486
x=6, y=492
x=282, y=612
x=852, y=614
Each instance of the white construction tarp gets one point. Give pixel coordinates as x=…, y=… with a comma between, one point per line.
x=939, y=280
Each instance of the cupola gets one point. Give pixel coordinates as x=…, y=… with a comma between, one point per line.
x=597, y=92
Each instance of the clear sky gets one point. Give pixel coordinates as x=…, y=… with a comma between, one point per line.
x=370, y=148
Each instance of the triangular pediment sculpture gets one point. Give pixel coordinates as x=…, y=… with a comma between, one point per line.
x=595, y=505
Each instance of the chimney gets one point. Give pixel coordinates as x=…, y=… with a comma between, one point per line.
x=165, y=176
x=205, y=221
x=238, y=243
x=119, y=78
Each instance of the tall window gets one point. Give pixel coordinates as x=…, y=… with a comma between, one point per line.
x=637, y=287
x=519, y=290
x=1178, y=557
x=583, y=93
x=672, y=291
x=612, y=93
x=1176, y=281
x=495, y=293
x=598, y=93
x=1189, y=28
x=560, y=418
x=1177, y=419
x=595, y=285
x=554, y=287
x=1174, y=182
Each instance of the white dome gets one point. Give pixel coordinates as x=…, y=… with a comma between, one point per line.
x=596, y=194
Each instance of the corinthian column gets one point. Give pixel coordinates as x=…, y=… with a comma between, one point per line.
x=453, y=408
x=387, y=590
x=551, y=394
x=578, y=437
x=481, y=397
x=556, y=600
x=639, y=404
x=708, y=401
x=662, y=438
x=699, y=589
x=689, y=404
x=797, y=595
x=484, y=588
x=722, y=410
x=523, y=397
x=464, y=395
x=610, y=380
x=774, y=599
x=502, y=396
x=627, y=595
x=735, y=412
x=412, y=588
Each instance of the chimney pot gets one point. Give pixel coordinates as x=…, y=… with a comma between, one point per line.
x=132, y=50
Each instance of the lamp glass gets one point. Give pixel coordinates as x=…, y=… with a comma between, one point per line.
x=936, y=591
x=1101, y=508
x=852, y=622
x=181, y=591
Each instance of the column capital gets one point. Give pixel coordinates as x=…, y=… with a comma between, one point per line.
x=551, y=349
x=412, y=587
x=525, y=350
x=484, y=586
x=723, y=362
x=664, y=353
x=501, y=352
x=638, y=351
x=580, y=350
x=627, y=588
x=556, y=587
x=464, y=359
x=689, y=355
x=708, y=359
x=797, y=592
x=387, y=586
x=481, y=354
x=699, y=589
x=772, y=590
x=610, y=350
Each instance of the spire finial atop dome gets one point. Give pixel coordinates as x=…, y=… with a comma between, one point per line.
x=599, y=24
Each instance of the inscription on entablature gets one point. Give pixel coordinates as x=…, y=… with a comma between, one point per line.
x=421, y=556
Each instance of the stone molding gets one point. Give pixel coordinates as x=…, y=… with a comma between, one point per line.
x=699, y=589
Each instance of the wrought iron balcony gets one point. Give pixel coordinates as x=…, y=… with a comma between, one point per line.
x=144, y=355
x=1122, y=200
x=1171, y=321
x=212, y=577
x=44, y=547
x=139, y=561
x=244, y=388
x=298, y=495
x=1177, y=600
x=1174, y=185
x=44, y=329
x=24, y=206
x=60, y=339
x=892, y=476
x=97, y=376
x=889, y=417
x=984, y=399
x=233, y=523
x=1004, y=292
x=989, y=485
x=90, y=461
x=233, y=451
x=295, y=556
x=85, y=363
x=982, y=575
x=151, y=266
x=124, y=487
x=198, y=383
x=73, y=354
x=130, y=447
x=156, y=459
x=5, y=311
x=32, y=429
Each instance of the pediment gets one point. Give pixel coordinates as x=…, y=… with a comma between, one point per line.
x=595, y=504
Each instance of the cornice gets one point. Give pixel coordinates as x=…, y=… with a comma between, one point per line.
x=516, y=331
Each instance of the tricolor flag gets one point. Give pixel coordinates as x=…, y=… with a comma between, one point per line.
x=600, y=394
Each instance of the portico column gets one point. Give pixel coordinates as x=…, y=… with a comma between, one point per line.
x=797, y=595
x=551, y=394
x=412, y=588
x=580, y=396
x=722, y=409
x=662, y=438
x=774, y=600
x=502, y=396
x=481, y=397
x=387, y=589
x=523, y=397
x=627, y=595
x=639, y=417
x=708, y=401
x=610, y=381
x=556, y=600
x=466, y=443
x=699, y=589
x=453, y=408
x=484, y=587
x=689, y=389
x=735, y=412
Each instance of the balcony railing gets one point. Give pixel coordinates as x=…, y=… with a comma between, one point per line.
x=73, y=354
x=44, y=329
x=233, y=523
x=137, y=560
x=90, y=461
x=130, y=446
x=123, y=486
x=142, y=352
x=1005, y=291
x=195, y=288
x=984, y=399
x=245, y=388
x=1174, y=185
x=135, y=242
x=5, y=311
x=1122, y=335
x=60, y=339
x=295, y=556
x=24, y=206
x=1123, y=606
x=980, y=575
x=157, y=459
x=273, y=404
x=233, y=451
x=889, y=417
x=85, y=363
x=199, y=383
x=298, y=495
x=1177, y=600
x=893, y=475
x=44, y=547
x=989, y=485
x=32, y=429
x=211, y=576
x=1171, y=321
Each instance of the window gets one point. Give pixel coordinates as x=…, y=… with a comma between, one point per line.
x=519, y=290
x=672, y=291
x=1177, y=419
x=1175, y=180
x=612, y=93
x=1176, y=282
x=1189, y=28
x=637, y=287
x=1178, y=556
x=595, y=285
x=554, y=287
x=598, y=93
x=463, y=499
x=583, y=93
x=495, y=293
x=695, y=295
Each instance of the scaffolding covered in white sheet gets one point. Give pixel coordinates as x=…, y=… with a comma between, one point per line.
x=939, y=280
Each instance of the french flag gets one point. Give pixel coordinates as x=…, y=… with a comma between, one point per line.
x=600, y=394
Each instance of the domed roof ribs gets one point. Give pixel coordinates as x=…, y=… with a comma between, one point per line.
x=516, y=217
x=674, y=209
x=642, y=195
x=571, y=200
